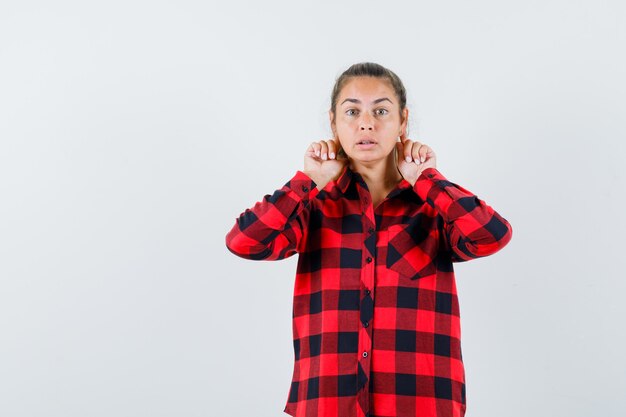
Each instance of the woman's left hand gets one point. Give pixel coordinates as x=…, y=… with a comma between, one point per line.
x=419, y=155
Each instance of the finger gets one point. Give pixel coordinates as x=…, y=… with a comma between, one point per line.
x=320, y=149
x=399, y=152
x=332, y=149
x=407, y=149
x=310, y=151
x=423, y=152
x=324, y=150
x=415, y=152
x=316, y=148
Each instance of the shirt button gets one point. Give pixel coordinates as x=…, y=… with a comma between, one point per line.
x=365, y=354
x=367, y=292
x=371, y=230
x=367, y=323
x=369, y=259
x=305, y=188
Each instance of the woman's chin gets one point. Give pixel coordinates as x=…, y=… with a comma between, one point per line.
x=368, y=156
x=366, y=160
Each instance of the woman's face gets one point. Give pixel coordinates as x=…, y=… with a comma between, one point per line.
x=368, y=110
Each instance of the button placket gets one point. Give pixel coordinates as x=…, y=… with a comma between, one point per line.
x=366, y=304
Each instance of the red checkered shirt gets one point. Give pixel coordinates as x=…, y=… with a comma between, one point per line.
x=376, y=324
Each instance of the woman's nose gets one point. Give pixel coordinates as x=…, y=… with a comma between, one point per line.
x=366, y=122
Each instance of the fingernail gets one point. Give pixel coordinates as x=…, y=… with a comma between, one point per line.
x=332, y=155
x=408, y=159
x=324, y=155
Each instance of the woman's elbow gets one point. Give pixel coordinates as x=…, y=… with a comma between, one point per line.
x=244, y=247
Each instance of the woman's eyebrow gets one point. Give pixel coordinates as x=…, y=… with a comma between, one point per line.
x=354, y=100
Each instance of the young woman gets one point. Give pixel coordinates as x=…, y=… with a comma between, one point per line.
x=376, y=324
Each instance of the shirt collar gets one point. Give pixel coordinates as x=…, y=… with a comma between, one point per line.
x=345, y=178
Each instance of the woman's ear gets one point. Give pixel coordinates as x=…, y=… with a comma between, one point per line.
x=404, y=122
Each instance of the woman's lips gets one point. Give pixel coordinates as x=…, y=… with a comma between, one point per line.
x=365, y=145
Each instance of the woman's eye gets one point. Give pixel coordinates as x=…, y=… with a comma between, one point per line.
x=380, y=111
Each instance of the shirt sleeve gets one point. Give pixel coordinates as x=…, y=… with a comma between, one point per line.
x=472, y=229
x=275, y=227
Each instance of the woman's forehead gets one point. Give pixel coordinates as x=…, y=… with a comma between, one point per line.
x=367, y=90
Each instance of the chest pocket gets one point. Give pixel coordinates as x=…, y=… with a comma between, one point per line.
x=411, y=250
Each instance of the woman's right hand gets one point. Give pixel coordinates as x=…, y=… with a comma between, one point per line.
x=324, y=161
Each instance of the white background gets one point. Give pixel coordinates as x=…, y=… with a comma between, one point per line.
x=133, y=133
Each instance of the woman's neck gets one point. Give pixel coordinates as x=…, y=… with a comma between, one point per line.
x=381, y=174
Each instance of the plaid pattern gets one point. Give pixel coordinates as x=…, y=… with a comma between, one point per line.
x=376, y=324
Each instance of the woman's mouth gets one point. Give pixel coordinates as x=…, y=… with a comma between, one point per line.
x=365, y=144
